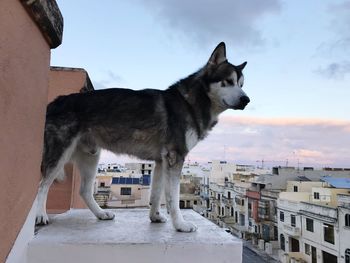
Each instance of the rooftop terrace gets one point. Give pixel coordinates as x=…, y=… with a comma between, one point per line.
x=77, y=236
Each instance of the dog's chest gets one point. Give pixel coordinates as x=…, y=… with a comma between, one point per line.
x=191, y=139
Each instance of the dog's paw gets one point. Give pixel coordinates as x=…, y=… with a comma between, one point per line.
x=185, y=226
x=158, y=218
x=41, y=219
x=106, y=215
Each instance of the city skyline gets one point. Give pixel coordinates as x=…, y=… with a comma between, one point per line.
x=297, y=73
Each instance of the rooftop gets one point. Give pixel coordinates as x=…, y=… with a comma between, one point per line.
x=77, y=236
x=343, y=183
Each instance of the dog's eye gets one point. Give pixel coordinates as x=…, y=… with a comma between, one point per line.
x=229, y=82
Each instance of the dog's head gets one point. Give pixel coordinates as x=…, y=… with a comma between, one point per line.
x=225, y=81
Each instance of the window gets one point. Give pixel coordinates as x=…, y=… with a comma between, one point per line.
x=222, y=211
x=229, y=195
x=309, y=225
x=328, y=233
x=316, y=195
x=292, y=220
x=195, y=202
x=242, y=202
x=282, y=242
x=295, y=188
x=307, y=249
x=241, y=219
x=347, y=220
x=275, y=232
x=249, y=205
x=329, y=258
x=218, y=196
x=232, y=212
x=125, y=191
x=281, y=216
x=347, y=255
x=294, y=245
x=102, y=184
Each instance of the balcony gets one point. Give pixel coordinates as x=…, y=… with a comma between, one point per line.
x=103, y=189
x=291, y=230
x=77, y=236
x=240, y=208
x=239, y=228
x=228, y=220
x=251, y=229
x=227, y=201
x=263, y=216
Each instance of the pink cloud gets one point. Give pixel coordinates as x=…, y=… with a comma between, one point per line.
x=306, y=142
x=277, y=141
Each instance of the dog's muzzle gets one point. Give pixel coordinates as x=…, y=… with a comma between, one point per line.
x=243, y=101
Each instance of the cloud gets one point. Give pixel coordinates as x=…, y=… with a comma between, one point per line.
x=340, y=7
x=305, y=153
x=206, y=21
x=337, y=49
x=335, y=70
x=109, y=80
x=114, y=77
x=305, y=142
x=277, y=141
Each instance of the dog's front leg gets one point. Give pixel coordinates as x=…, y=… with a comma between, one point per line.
x=172, y=171
x=156, y=193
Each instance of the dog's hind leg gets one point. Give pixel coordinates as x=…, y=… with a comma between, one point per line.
x=172, y=166
x=87, y=164
x=157, y=185
x=47, y=180
x=52, y=168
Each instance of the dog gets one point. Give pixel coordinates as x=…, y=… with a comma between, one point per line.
x=158, y=125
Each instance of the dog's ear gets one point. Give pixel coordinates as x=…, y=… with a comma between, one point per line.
x=241, y=67
x=219, y=55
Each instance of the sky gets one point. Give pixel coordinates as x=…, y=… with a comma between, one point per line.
x=297, y=76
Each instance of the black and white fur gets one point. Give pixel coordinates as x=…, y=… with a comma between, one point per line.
x=162, y=126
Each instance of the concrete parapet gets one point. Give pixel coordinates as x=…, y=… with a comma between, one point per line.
x=77, y=236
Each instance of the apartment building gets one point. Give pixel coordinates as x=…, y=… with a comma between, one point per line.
x=128, y=186
x=143, y=168
x=309, y=224
x=246, y=204
x=189, y=191
x=344, y=227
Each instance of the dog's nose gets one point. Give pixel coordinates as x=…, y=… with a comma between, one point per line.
x=244, y=100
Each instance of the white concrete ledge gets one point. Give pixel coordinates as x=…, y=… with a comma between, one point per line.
x=77, y=236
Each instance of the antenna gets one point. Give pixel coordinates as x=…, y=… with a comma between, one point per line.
x=224, y=152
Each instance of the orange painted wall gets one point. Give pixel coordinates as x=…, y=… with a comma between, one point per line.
x=24, y=66
x=65, y=195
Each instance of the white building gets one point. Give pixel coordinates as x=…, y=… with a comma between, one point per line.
x=312, y=223
x=344, y=227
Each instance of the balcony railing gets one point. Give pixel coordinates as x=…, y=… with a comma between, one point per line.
x=227, y=201
x=240, y=208
x=291, y=230
x=263, y=216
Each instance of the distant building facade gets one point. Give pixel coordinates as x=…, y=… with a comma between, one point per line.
x=250, y=204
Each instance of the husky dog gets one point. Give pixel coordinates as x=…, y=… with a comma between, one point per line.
x=162, y=126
